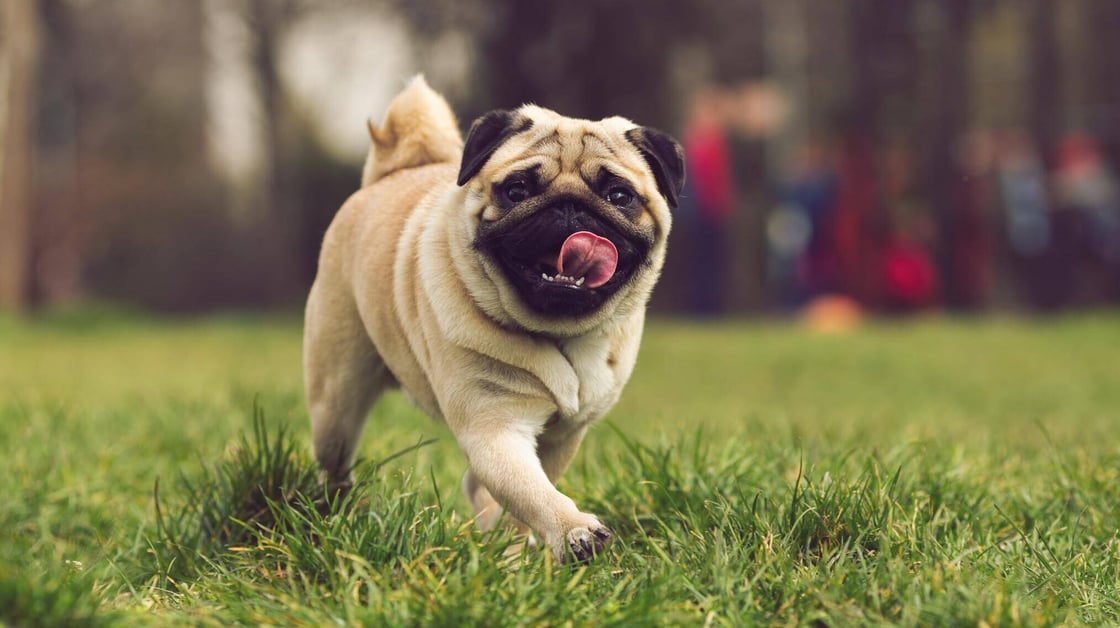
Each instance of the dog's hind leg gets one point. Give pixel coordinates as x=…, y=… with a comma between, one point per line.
x=556, y=450
x=343, y=376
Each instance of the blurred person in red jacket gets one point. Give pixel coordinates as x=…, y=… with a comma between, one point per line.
x=710, y=196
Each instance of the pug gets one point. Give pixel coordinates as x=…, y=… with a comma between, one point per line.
x=502, y=283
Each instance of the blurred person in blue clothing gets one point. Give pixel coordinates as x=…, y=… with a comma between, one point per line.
x=1022, y=185
x=801, y=256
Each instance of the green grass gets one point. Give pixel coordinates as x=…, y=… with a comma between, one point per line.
x=934, y=472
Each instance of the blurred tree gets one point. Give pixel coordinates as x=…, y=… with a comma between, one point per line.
x=129, y=207
x=157, y=232
x=19, y=51
x=593, y=59
x=123, y=202
x=1102, y=62
x=1046, y=87
x=881, y=36
x=276, y=220
x=61, y=221
x=943, y=110
x=878, y=116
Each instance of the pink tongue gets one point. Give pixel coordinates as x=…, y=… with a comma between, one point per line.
x=587, y=255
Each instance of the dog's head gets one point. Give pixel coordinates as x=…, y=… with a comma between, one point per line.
x=569, y=217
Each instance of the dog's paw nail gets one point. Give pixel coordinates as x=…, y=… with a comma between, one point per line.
x=585, y=544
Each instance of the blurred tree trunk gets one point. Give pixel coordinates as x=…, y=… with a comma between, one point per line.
x=880, y=111
x=62, y=219
x=19, y=48
x=272, y=221
x=266, y=18
x=603, y=71
x=1046, y=100
x=786, y=34
x=947, y=120
x=1103, y=58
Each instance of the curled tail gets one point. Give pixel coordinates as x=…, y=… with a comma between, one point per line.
x=419, y=128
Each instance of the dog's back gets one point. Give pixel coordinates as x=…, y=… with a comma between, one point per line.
x=419, y=129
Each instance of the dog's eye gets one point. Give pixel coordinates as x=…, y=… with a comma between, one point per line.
x=620, y=196
x=517, y=191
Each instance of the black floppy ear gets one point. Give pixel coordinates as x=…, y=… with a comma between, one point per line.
x=488, y=133
x=665, y=158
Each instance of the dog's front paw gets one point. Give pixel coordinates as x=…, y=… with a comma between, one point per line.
x=583, y=544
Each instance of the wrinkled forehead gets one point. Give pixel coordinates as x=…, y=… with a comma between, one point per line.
x=556, y=145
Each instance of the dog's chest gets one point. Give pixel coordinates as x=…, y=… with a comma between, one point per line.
x=596, y=368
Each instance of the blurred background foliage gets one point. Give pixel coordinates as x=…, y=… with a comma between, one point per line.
x=187, y=155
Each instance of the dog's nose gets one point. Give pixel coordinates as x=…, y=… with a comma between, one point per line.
x=570, y=214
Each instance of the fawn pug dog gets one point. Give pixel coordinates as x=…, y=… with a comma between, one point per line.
x=502, y=283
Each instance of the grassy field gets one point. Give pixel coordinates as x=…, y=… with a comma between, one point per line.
x=932, y=472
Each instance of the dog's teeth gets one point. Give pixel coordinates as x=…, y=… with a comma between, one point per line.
x=563, y=279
